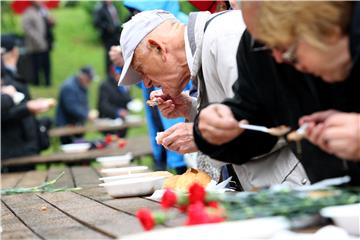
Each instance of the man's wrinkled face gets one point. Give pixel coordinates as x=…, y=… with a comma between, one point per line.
x=161, y=70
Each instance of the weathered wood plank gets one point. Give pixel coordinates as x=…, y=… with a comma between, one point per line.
x=94, y=214
x=65, y=181
x=129, y=205
x=9, y=180
x=32, y=179
x=12, y=227
x=46, y=220
x=85, y=176
x=67, y=131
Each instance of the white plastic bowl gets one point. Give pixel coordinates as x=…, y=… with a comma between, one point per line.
x=75, y=147
x=135, y=105
x=345, y=216
x=133, y=119
x=133, y=186
x=136, y=175
x=126, y=176
x=115, y=161
x=123, y=170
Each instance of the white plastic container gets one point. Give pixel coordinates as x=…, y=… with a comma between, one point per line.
x=123, y=170
x=133, y=186
x=75, y=147
x=345, y=216
x=115, y=161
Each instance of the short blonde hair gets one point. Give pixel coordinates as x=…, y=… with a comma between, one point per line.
x=282, y=23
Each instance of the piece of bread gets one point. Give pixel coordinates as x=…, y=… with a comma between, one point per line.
x=184, y=181
x=160, y=173
x=152, y=103
x=159, y=137
x=171, y=182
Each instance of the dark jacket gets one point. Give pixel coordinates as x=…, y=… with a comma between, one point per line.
x=72, y=106
x=272, y=94
x=103, y=21
x=19, y=135
x=111, y=99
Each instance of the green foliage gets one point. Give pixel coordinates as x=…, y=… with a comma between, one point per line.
x=45, y=187
x=286, y=202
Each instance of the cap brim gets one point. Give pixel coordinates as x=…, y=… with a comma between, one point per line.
x=128, y=75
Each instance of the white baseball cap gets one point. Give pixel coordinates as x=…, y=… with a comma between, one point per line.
x=134, y=31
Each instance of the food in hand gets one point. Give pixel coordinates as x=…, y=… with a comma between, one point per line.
x=159, y=137
x=184, y=181
x=279, y=131
x=295, y=136
x=152, y=103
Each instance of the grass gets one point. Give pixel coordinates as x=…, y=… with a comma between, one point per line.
x=76, y=44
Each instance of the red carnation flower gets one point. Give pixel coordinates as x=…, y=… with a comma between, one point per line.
x=146, y=218
x=121, y=143
x=196, y=193
x=197, y=214
x=169, y=199
x=108, y=139
x=213, y=204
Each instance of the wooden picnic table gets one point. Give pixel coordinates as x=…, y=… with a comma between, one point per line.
x=92, y=127
x=138, y=146
x=89, y=213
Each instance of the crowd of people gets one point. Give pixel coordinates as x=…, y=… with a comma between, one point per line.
x=286, y=68
x=260, y=63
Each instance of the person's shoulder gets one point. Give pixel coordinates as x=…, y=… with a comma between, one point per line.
x=69, y=83
x=224, y=24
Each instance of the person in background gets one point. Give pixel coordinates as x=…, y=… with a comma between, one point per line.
x=19, y=127
x=106, y=20
x=113, y=100
x=37, y=26
x=73, y=106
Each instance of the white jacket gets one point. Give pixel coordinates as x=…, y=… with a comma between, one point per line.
x=215, y=54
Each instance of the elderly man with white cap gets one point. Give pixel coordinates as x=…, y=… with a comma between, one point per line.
x=165, y=53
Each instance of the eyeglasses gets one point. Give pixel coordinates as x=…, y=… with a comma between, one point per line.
x=288, y=55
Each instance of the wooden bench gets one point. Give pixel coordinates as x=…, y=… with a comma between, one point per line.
x=91, y=127
x=138, y=146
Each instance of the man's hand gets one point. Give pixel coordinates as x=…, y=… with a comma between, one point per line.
x=38, y=105
x=179, y=106
x=317, y=117
x=335, y=132
x=116, y=57
x=315, y=127
x=179, y=138
x=341, y=135
x=218, y=125
x=93, y=114
x=9, y=90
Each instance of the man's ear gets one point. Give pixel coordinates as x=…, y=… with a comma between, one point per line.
x=158, y=47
